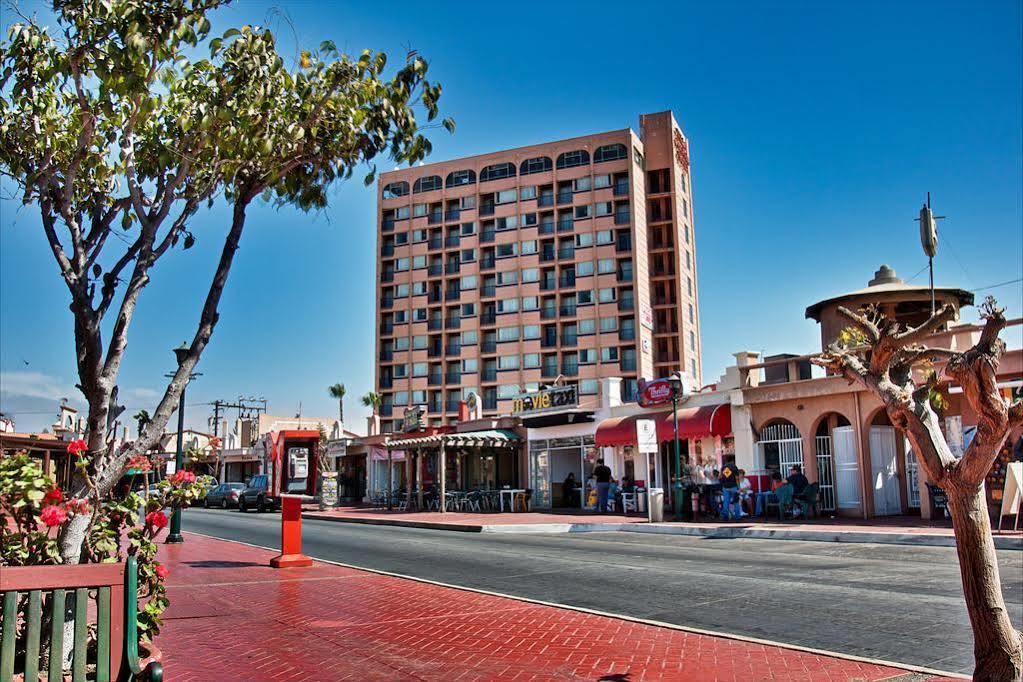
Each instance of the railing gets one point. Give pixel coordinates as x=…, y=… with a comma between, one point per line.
x=451, y=405
x=486, y=209
x=435, y=380
x=435, y=218
x=387, y=250
x=386, y=355
x=625, y=275
x=566, y=225
x=488, y=346
x=487, y=236
x=627, y=365
x=490, y=403
x=452, y=267
x=387, y=276
x=436, y=243
x=488, y=318
x=566, y=253
x=564, y=197
x=549, y=371
x=455, y=349
x=386, y=382
x=567, y=281
x=488, y=290
x=488, y=262
x=489, y=375
x=452, y=294
x=627, y=335
x=386, y=410
x=116, y=620
x=626, y=304
x=624, y=244
x=621, y=189
x=386, y=302
x=622, y=218
x=568, y=310
x=548, y=313
x=548, y=284
x=570, y=369
x=452, y=215
x=549, y=341
x=569, y=339
x=453, y=377
x=452, y=240
x=547, y=255
x=435, y=270
x=387, y=329
x=546, y=228
x=453, y=323
x=545, y=200
x=387, y=225
x=434, y=352
x=435, y=324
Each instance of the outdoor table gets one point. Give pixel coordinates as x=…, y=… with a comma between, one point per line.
x=510, y=492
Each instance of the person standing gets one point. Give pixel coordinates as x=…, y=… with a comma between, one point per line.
x=602, y=474
x=729, y=492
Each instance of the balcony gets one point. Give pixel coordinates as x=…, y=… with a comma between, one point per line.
x=488, y=318
x=486, y=209
x=487, y=236
x=627, y=335
x=566, y=225
x=387, y=276
x=436, y=243
x=624, y=243
x=622, y=218
x=627, y=365
x=488, y=347
x=452, y=215
x=453, y=349
x=548, y=284
x=386, y=410
x=435, y=296
x=452, y=405
x=434, y=351
x=453, y=323
x=621, y=188
x=387, y=225
x=546, y=228
x=435, y=324
x=435, y=217
x=436, y=407
x=387, y=250
x=386, y=302
x=453, y=378
x=545, y=200
x=386, y=382
x=488, y=262
x=568, y=310
x=435, y=270
x=549, y=371
x=490, y=403
x=626, y=304
x=569, y=340
x=386, y=355
x=387, y=329
x=436, y=380
x=452, y=267
x=452, y=240
x=548, y=313
x=570, y=369
x=547, y=255
x=488, y=290
x=489, y=374
x=566, y=253
x=549, y=341
x=625, y=275
x=564, y=197
x=566, y=281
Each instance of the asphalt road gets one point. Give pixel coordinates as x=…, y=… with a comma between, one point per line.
x=896, y=603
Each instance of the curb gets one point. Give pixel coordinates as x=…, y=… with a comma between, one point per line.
x=908, y=667
x=721, y=533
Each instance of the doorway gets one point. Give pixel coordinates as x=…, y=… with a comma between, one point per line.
x=884, y=470
x=847, y=468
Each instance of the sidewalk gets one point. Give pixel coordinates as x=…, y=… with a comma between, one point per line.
x=901, y=530
x=233, y=617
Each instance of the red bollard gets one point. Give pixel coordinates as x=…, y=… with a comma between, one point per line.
x=291, y=535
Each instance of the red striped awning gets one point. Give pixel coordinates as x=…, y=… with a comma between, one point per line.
x=693, y=422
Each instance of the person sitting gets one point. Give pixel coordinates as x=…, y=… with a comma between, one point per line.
x=745, y=494
x=761, y=498
x=799, y=484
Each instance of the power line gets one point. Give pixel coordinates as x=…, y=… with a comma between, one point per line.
x=1000, y=284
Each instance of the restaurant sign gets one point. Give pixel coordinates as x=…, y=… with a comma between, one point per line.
x=656, y=392
x=552, y=398
x=415, y=418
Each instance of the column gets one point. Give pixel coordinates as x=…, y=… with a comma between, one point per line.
x=408, y=477
x=442, y=469
x=419, y=480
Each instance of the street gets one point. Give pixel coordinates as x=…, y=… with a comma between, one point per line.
x=897, y=603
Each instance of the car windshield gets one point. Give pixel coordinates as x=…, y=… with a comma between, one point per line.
x=235, y=486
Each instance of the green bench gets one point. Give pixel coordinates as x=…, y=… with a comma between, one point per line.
x=29, y=594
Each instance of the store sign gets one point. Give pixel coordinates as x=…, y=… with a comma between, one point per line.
x=415, y=418
x=656, y=392
x=646, y=435
x=554, y=398
x=646, y=317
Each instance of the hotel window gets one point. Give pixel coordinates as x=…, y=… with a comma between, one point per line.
x=692, y=314
x=583, y=212
x=581, y=184
x=507, y=333
x=685, y=207
x=689, y=261
x=527, y=193
x=401, y=343
x=610, y=152
x=401, y=397
x=419, y=315
x=692, y=341
x=638, y=158
x=605, y=237
x=526, y=248
x=467, y=202
x=608, y=324
x=507, y=223
x=469, y=338
x=584, y=239
x=605, y=265
x=401, y=264
x=587, y=356
x=498, y=171
x=584, y=297
x=419, y=342
x=625, y=270
x=586, y=327
x=508, y=305
x=419, y=236
x=420, y=369
x=470, y=366
x=685, y=230
x=459, y=178
x=401, y=213
x=401, y=291
x=468, y=310
x=530, y=302
x=427, y=184
x=530, y=360
x=468, y=282
x=418, y=262
x=395, y=190
x=507, y=277
x=692, y=366
x=418, y=397
x=507, y=391
x=584, y=268
x=589, y=386
x=401, y=238
x=400, y=316
x=609, y=354
x=689, y=284
x=506, y=196
x=607, y=295
x=527, y=219
x=468, y=229
x=531, y=331
x=531, y=275
x=601, y=181
x=468, y=255
x=579, y=157
x=682, y=182
x=603, y=208
x=400, y=371
x=418, y=210
x=506, y=250
x=507, y=362
x=418, y=288
x=540, y=164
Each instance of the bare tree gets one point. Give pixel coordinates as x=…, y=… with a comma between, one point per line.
x=893, y=362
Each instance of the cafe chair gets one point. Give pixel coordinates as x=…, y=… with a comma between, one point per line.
x=522, y=499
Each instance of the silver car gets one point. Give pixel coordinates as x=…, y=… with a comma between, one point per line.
x=224, y=495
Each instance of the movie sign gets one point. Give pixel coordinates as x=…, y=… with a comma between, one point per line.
x=656, y=392
x=415, y=418
x=553, y=398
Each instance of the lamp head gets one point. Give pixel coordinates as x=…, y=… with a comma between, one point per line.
x=181, y=352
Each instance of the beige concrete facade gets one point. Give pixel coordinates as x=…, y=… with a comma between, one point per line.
x=498, y=273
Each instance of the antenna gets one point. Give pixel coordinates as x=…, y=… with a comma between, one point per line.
x=929, y=240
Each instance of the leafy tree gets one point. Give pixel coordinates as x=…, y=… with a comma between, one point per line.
x=372, y=401
x=337, y=392
x=123, y=133
x=882, y=356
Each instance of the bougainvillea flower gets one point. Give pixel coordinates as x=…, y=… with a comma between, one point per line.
x=52, y=515
x=156, y=519
x=140, y=463
x=55, y=496
x=77, y=505
x=161, y=571
x=77, y=447
x=182, y=477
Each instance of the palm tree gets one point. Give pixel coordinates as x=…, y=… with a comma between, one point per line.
x=143, y=418
x=337, y=392
x=372, y=401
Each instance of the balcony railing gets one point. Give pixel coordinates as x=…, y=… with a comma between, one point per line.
x=568, y=310
x=621, y=188
x=386, y=302
x=435, y=297
x=567, y=280
x=624, y=243
x=548, y=313
x=488, y=262
x=488, y=318
x=625, y=275
x=566, y=225
x=566, y=253
x=452, y=405
x=435, y=217
x=627, y=335
x=487, y=236
x=488, y=347
x=436, y=380
x=547, y=255
x=452, y=240
x=387, y=329
x=627, y=365
x=452, y=267
x=434, y=352
x=453, y=349
x=569, y=339
x=622, y=218
x=626, y=304
x=490, y=403
x=386, y=410
x=387, y=276
x=453, y=322
x=488, y=290
x=387, y=250
x=546, y=228
x=486, y=209
x=386, y=382
x=435, y=270
x=386, y=355
x=549, y=341
x=452, y=294
x=545, y=200
x=489, y=374
x=435, y=324
x=549, y=371
x=548, y=284
x=564, y=197
x=452, y=215
x=570, y=369
x=387, y=225
x=436, y=243
x=453, y=377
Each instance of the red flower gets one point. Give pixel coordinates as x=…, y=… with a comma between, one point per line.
x=140, y=462
x=182, y=477
x=77, y=505
x=161, y=571
x=55, y=496
x=156, y=519
x=77, y=447
x=52, y=515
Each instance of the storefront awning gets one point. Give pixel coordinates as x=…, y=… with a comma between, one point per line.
x=490, y=438
x=693, y=422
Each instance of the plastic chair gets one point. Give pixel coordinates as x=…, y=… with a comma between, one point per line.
x=782, y=499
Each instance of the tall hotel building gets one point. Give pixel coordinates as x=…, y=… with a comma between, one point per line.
x=499, y=273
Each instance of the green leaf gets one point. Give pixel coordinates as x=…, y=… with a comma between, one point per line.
x=449, y=124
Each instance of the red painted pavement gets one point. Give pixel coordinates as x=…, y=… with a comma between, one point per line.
x=234, y=618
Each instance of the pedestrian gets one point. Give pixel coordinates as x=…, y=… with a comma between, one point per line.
x=729, y=492
x=763, y=496
x=568, y=492
x=602, y=474
x=745, y=494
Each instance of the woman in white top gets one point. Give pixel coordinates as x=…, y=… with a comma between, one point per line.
x=745, y=492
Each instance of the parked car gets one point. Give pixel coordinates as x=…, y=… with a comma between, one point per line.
x=257, y=494
x=224, y=495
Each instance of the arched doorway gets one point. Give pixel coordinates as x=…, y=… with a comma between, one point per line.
x=824, y=446
x=779, y=447
x=884, y=467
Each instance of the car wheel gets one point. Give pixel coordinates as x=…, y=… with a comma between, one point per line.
x=260, y=505
x=223, y=503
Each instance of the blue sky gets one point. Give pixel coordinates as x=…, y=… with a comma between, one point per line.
x=816, y=129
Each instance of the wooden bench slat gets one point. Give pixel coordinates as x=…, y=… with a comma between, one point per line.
x=25, y=578
x=81, y=646
x=103, y=635
x=56, y=669
x=10, y=636
x=35, y=626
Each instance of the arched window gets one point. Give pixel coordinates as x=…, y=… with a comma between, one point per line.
x=427, y=184
x=459, y=178
x=610, y=152
x=540, y=164
x=498, y=171
x=395, y=190
x=579, y=157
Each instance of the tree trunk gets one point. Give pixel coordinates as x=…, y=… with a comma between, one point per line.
x=997, y=647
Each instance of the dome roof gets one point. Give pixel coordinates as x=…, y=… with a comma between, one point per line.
x=887, y=285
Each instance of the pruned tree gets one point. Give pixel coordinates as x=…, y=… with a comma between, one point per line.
x=123, y=134
x=895, y=364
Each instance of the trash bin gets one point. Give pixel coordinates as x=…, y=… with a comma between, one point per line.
x=656, y=501
x=641, y=500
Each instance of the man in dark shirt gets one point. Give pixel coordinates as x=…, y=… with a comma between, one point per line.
x=602, y=473
x=729, y=491
x=797, y=479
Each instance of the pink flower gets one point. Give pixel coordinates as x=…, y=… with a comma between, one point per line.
x=52, y=515
x=140, y=462
x=55, y=496
x=182, y=477
x=77, y=505
x=77, y=447
x=161, y=571
x=156, y=519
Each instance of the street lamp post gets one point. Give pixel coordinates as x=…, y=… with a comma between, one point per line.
x=174, y=536
x=676, y=389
